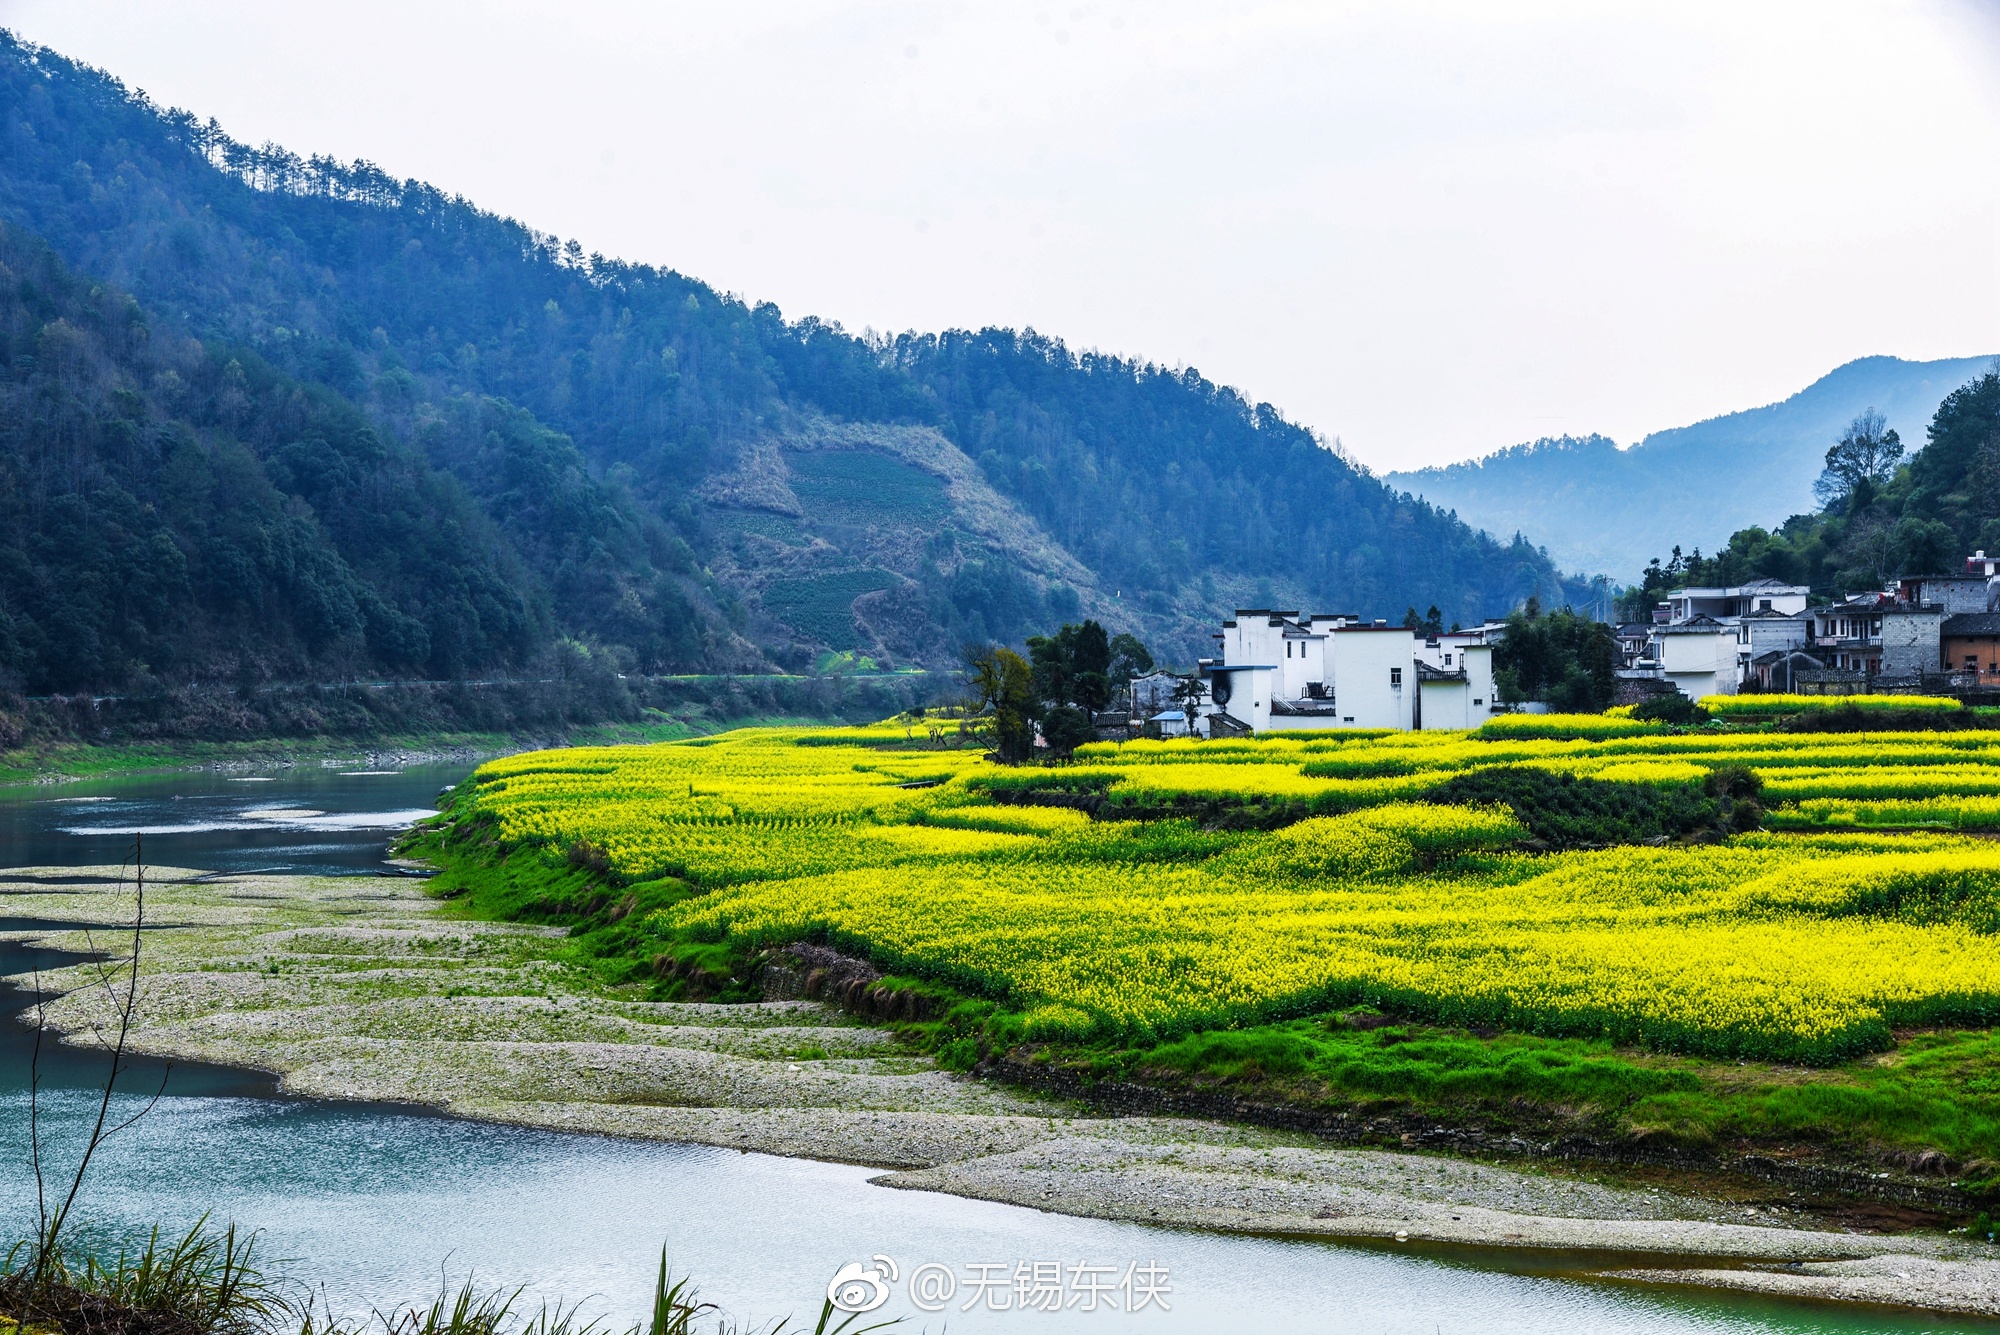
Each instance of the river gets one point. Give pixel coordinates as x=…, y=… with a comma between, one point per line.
x=378, y=1204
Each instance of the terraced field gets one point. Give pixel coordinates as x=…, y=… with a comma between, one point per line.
x=1811, y=942
x=823, y=605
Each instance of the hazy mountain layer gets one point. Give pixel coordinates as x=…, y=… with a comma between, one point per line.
x=1597, y=507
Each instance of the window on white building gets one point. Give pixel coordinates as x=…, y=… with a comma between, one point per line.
x=1395, y=676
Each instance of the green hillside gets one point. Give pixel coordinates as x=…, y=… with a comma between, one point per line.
x=686, y=480
x=169, y=509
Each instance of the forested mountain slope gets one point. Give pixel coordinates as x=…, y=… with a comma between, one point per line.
x=1166, y=484
x=1598, y=507
x=168, y=508
x=697, y=482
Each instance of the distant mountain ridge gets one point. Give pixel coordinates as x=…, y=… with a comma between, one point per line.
x=1599, y=508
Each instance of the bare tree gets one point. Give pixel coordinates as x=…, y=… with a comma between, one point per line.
x=109, y=972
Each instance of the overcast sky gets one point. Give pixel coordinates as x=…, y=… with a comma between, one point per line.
x=1429, y=230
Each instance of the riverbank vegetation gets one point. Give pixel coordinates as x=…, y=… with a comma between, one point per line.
x=205, y=1282
x=208, y=1281
x=1597, y=935
x=224, y=724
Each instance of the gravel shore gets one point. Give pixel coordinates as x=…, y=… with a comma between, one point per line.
x=358, y=988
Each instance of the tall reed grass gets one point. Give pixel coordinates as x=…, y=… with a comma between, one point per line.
x=207, y=1282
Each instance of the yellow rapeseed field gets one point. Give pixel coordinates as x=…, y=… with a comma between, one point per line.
x=1807, y=942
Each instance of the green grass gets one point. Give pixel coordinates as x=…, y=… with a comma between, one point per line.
x=1412, y=1065
x=206, y=1282
x=1936, y=1091
x=610, y=934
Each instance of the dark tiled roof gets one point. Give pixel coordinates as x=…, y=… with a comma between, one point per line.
x=1973, y=623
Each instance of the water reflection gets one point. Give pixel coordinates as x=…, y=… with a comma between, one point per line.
x=306, y=818
x=78, y=1067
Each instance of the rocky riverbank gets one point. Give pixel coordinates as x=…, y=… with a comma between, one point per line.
x=364, y=988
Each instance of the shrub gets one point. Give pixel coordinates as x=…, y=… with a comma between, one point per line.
x=1853, y=718
x=1736, y=790
x=587, y=856
x=1736, y=781
x=1671, y=707
x=1564, y=811
x=1066, y=728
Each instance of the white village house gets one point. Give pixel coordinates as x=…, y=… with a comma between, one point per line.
x=1283, y=672
x=1702, y=640
x=1915, y=632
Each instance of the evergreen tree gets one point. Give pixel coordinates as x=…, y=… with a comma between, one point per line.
x=587, y=405
x=1565, y=660
x=1073, y=667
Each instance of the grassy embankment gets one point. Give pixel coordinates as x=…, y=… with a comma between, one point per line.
x=66, y=760
x=1718, y=994
x=213, y=723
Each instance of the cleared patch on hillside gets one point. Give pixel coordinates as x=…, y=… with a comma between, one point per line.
x=822, y=606
x=863, y=487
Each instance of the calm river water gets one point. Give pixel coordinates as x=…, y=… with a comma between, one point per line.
x=379, y=1204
